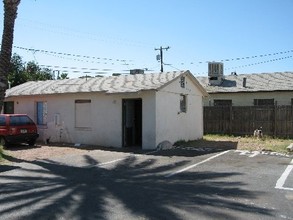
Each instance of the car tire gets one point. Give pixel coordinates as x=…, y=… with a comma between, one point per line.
x=32, y=142
x=3, y=142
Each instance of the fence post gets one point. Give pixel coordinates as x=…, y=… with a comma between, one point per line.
x=230, y=121
x=275, y=120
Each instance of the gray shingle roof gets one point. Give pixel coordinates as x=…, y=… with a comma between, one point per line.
x=280, y=81
x=111, y=84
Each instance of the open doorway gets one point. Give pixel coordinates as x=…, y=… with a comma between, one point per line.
x=132, y=122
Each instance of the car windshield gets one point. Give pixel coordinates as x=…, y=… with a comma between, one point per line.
x=20, y=120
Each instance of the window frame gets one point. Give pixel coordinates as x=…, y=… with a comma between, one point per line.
x=222, y=102
x=183, y=103
x=81, y=120
x=263, y=102
x=41, y=113
x=182, y=82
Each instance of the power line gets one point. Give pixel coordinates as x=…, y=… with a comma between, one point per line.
x=110, y=61
x=252, y=64
x=71, y=54
x=77, y=33
x=83, y=60
x=262, y=62
x=172, y=66
x=84, y=69
x=242, y=58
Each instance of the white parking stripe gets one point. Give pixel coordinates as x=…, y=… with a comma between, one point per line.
x=254, y=153
x=110, y=162
x=117, y=160
x=194, y=165
x=281, y=181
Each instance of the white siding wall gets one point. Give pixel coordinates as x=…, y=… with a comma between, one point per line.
x=149, y=120
x=246, y=99
x=173, y=125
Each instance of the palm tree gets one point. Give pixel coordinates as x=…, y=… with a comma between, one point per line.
x=10, y=13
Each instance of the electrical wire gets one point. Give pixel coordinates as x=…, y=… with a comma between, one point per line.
x=111, y=61
x=251, y=64
x=71, y=54
x=262, y=62
x=242, y=58
x=79, y=34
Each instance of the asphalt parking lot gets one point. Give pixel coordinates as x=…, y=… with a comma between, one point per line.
x=172, y=184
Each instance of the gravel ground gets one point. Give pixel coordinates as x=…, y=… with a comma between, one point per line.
x=27, y=153
x=20, y=153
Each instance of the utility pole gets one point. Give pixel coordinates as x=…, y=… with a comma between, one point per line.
x=161, y=55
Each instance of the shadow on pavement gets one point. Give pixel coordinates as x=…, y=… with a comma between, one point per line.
x=131, y=188
x=4, y=167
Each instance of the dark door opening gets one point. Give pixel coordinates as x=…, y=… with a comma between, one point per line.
x=132, y=122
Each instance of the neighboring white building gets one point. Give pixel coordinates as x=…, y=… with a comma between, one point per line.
x=249, y=89
x=120, y=111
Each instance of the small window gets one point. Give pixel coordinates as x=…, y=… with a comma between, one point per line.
x=83, y=113
x=264, y=102
x=213, y=78
x=182, y=81
x=222, y=102
x=291, y=101
x=42, y=113
x=183, y=103
x=8, y=107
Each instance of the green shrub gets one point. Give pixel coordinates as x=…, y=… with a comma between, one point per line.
x=1, y=152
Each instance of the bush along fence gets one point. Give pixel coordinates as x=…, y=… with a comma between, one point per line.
x=276, y=121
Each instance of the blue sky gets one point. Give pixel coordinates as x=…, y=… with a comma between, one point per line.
x=113, y=36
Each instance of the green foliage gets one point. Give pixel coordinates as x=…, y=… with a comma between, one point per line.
x=180, y=142
x=21, y=72
x=250, y=143
x=16, y=73
x=1, y=152
x=63, y=76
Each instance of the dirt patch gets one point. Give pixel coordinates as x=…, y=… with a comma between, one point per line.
x=241, y=143
x=25, y=153
x=215, y=142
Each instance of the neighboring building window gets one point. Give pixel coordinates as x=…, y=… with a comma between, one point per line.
x=291, y=101
x=182, y=81
x=42, y=113
x=183, y=103
x=263, y=102
x=213, y=78
x=222, y=102
x=83, y=113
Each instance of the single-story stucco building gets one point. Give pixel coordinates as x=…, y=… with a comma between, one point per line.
x=257, y=89
x=120, y=111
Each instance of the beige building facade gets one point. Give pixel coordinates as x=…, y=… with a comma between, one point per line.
x=249, y=89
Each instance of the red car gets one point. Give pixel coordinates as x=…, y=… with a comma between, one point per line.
x=17, y=128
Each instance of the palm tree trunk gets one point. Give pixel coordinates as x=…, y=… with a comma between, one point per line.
x=10, y=13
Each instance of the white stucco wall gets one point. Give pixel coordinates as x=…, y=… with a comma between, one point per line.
x=106, y=114
x=161, y=116
x=149, y=120
x=246, y=99
x=173, y=125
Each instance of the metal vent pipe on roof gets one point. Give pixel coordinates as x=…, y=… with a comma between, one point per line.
x=244, y=81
